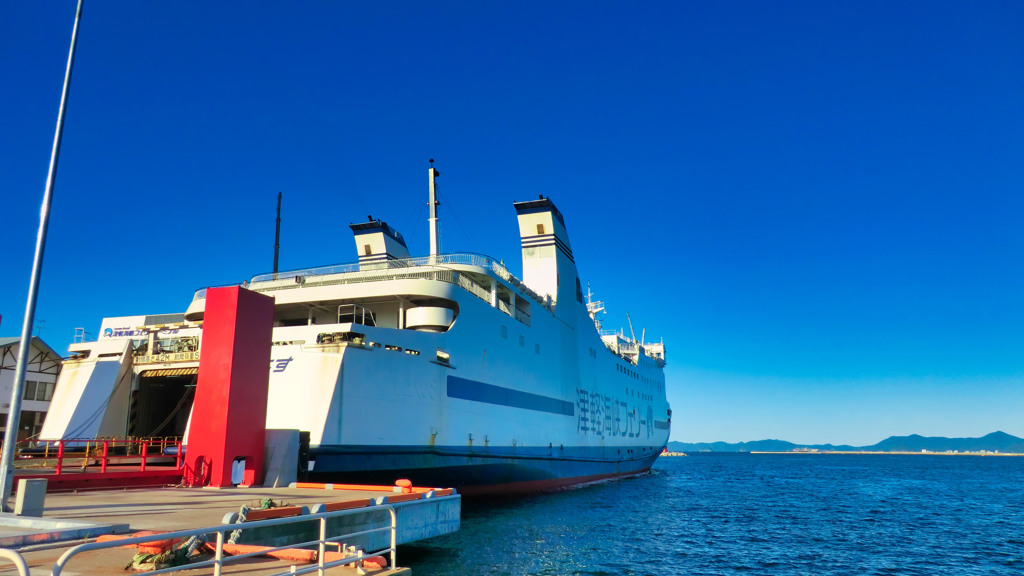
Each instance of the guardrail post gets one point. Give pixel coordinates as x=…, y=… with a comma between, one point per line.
x=103, y=464
x=394, y=538
x=178, y=460
x=60, y=456
x=218, y=559
x=321, y=547
x=145, y=449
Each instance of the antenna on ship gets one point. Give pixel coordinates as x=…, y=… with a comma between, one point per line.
x=277, y=234
x=435, y=247
x=593, y=308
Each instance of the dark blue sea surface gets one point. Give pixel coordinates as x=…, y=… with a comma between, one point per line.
x=753, y=514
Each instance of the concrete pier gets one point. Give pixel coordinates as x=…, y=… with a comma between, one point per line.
x=71, y=517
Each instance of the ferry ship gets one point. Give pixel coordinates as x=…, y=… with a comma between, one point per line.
x=444, y=369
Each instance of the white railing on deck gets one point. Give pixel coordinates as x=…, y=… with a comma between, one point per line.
x=441, y=259
x=395, y=270
x=523, y=316
x=504, y=307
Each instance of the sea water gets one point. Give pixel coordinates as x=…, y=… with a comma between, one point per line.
x=753, y=514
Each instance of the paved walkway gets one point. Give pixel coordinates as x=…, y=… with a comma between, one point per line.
x=166, y=509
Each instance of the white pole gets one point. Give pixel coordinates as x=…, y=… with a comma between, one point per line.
x=14, y=416
x=435, y=247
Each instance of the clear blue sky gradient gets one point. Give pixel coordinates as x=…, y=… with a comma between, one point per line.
x=817, y=205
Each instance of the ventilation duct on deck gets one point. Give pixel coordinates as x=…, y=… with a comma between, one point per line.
x=429, y=318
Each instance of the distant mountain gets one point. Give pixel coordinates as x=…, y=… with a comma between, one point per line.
x=994, y=442
x=754, y=446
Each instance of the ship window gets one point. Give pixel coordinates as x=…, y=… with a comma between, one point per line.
x=522, y=340
x=367, y=250
x=540, y=228
x=504, y=332
x=411, y=351
x=536, y=348
x=394, y=348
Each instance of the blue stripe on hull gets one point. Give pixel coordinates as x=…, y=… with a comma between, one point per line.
x=485, y=470
x=500, y=396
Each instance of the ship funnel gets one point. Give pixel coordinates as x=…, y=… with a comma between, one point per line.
x=378, y=244
x=548, y=265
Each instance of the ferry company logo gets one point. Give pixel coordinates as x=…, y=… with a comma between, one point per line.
x=602, y=415
x=280, y=365
x=125, y=332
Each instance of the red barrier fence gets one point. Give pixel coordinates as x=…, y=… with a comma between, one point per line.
x=104, y=452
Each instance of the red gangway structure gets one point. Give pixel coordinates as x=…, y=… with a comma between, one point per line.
x=227, y=428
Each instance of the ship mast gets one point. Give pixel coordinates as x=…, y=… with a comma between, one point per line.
x=594, y=308
x=277, y=234
x=435, y=248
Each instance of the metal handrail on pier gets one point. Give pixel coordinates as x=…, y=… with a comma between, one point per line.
x=17, y=559
x=219, y=560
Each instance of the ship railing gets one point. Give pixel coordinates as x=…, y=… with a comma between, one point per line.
x=401, y=269
x=504, y=307
x=474, y=287
x=523, y=316
x=463, y=259
x=458, y=259
x=80, y=453
x=219, y=560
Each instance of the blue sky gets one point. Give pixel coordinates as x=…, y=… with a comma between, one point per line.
x=817, y=205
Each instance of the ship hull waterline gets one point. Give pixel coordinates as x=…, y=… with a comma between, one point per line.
x=474, y=474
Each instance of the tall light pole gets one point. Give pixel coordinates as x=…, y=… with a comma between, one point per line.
x=14, y=416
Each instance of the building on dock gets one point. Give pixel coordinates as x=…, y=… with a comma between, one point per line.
x=44, y=365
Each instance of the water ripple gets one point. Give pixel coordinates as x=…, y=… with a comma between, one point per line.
x=753, y=514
